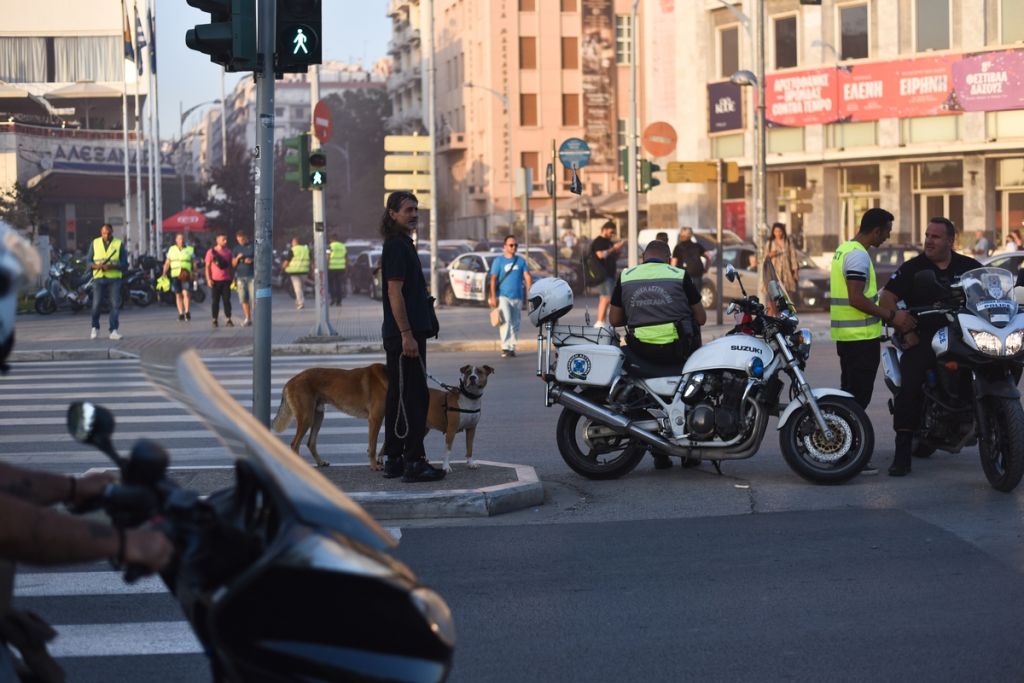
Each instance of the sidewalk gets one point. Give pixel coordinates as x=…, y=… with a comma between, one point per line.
x=65, y=335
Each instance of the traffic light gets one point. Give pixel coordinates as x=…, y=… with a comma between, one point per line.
x=296, y=160
x=298, y=46
x=318, y=169
x=647, y=179
x=230, y=37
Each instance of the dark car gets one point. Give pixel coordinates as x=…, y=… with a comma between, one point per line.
x=812, y=282
x=360, y=272
x=888, y=257
x=376, y=285
x=569, y=270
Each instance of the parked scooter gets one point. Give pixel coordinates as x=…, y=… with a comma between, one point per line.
x=68, y=286
x=715, y=407
x=971, y=395
x=282, y=576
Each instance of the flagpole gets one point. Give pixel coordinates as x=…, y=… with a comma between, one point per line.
x=158, y=225
x=124, y=123
x=150, y=151
x=138, y=132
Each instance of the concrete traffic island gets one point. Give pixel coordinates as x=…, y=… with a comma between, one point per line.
x=492, y=489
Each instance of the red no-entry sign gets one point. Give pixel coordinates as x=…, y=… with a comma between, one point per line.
x=323, y=122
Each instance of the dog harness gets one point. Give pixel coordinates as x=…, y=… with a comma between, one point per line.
x=468, y=417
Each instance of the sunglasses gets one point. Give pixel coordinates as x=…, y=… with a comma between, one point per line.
x=514, y=246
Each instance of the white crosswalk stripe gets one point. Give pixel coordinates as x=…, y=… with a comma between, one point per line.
x=34, y=399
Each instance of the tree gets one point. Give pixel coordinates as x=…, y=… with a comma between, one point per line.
x=19, y=206
x=236, y=201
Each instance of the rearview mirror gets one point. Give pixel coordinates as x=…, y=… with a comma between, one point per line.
x=927, y=286
x=730, y=273
x=91, y=424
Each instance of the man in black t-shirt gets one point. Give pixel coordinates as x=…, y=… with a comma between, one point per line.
x=689, y=255
x=918, y=356
x=408, y=321
x=607, y=252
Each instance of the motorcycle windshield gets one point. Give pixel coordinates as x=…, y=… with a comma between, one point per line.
x=988, y=294
x=776, y=292
x=181, y=375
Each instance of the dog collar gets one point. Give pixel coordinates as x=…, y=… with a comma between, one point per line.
x=465, y=392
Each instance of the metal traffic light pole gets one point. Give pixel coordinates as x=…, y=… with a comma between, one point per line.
x=264, y=212
x=322, y=327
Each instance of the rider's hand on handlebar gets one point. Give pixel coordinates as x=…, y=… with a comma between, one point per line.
x=904, y=322
x=147, y=547
x=91, y=486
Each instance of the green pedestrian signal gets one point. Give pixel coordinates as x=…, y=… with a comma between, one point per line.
x=296, y=160
x=318, y=166
x=317, y=180
x=299, y=25
x=230, y=37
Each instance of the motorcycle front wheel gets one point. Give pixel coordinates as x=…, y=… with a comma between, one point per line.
x=199, y=295
x=45, y=305
x=1002, y=452
x=593, y=450
x=828, y=460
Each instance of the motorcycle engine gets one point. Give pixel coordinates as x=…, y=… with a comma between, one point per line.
x=716, y=412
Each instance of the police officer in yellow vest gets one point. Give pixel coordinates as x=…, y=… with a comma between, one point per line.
x=337, y=253
x=181, y=265
x=856, y=316
x=297, y=268
x=109, y=260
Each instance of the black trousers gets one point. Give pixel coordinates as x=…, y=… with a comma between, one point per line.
x=858, y=365
x=336, y=285
x=220, y=290
x=414, y=397
x=909, y=402
x=662, y=354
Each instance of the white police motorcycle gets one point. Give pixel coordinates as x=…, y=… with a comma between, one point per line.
x=971, y=396
x=715, y=407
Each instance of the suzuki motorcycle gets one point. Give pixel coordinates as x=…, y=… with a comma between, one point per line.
x=971, y=396
x=714, y=407
x=69, y=284
x=282, y=576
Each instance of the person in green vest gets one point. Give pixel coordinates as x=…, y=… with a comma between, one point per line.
x=856, y=317
x=337, y=253
x=180, y=263
x=109, y=260
x=296, y=265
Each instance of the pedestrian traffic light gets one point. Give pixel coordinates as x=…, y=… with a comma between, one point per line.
x=318, y=169
x=549, y=180
x=647, y=179
x=230, y=37
x=298, y=46
x=296, y=160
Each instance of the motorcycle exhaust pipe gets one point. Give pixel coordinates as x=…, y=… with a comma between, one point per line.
x=574, y=401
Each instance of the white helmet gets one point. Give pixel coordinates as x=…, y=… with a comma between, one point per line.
x=18, y=262
x=550, y=298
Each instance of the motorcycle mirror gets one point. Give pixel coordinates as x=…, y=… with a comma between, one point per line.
x=147, y=463
x=928, y=286
x=91, y=424
x=730, y=273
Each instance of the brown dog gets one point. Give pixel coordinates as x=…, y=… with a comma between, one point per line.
x=362, y=392
x=359, y=392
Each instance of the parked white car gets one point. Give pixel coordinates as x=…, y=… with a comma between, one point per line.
x=467, y=277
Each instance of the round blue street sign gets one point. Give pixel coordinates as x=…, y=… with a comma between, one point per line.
x=574, y=153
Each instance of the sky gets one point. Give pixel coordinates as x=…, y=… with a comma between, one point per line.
x=353, y=31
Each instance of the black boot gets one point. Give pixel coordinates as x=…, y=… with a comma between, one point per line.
x=901, y=462
x=393, y=467
x=421, y=471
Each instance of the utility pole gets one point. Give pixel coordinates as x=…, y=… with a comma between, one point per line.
x=633, y=216
x=761, y=217
x=264, y=212
x=322, y=328
x=432, y=131
x=554, y=202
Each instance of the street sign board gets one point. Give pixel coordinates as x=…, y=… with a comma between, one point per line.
x=406, y=143
x=692, y=171
x=732, y=172
x=323, y=121
x=407, y=163
x=407, y=181
x=423, y=200
x=659, y=139
x=574, y=153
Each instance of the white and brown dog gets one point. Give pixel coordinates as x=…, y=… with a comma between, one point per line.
x=458, y=410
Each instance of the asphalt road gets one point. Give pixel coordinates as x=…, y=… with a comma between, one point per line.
x=679, y=574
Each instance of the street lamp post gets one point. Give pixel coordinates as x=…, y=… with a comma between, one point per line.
x=182, y=116
x=508, y=149
x=633, y=211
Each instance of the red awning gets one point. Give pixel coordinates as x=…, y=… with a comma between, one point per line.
x=186, y=219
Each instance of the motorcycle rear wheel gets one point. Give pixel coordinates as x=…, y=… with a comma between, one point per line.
x=198, y=295
x=45, y=305
x=593, y=451
x=1002, y=453
x=826, y=461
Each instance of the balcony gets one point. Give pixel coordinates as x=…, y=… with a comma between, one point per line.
x=451, y=142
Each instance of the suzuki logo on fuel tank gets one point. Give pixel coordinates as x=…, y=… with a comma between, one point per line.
x=748, y=349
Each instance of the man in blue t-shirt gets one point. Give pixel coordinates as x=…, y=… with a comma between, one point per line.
x=509, y=280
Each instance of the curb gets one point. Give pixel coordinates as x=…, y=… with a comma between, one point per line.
x=36, y=356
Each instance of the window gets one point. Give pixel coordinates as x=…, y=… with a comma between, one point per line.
x=853, y=32
x=623, y=38
x=1005, y=124
x=570, y=53
x=568, y=5
x=727, y=146
x=781, y=140
x=785, y=42
x=938, y=175
x=527, y=110
x=925, y=129
x=527, y=5
x=570, y=110
x=531, y=160
x=1011, y=18
x=23, y=60
x=527, y=52
x=728, y=51
x=860, y=179
x=846, y=135
x=931, y=24
x=1011, y=172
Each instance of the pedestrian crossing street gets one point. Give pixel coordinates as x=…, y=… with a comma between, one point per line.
x=34, y=399
x=109, y=630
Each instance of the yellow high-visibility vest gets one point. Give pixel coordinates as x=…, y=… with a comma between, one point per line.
x=849, y=324
x=338, y=254
x=299, y=262
x=180, y=258
x=107, y=253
